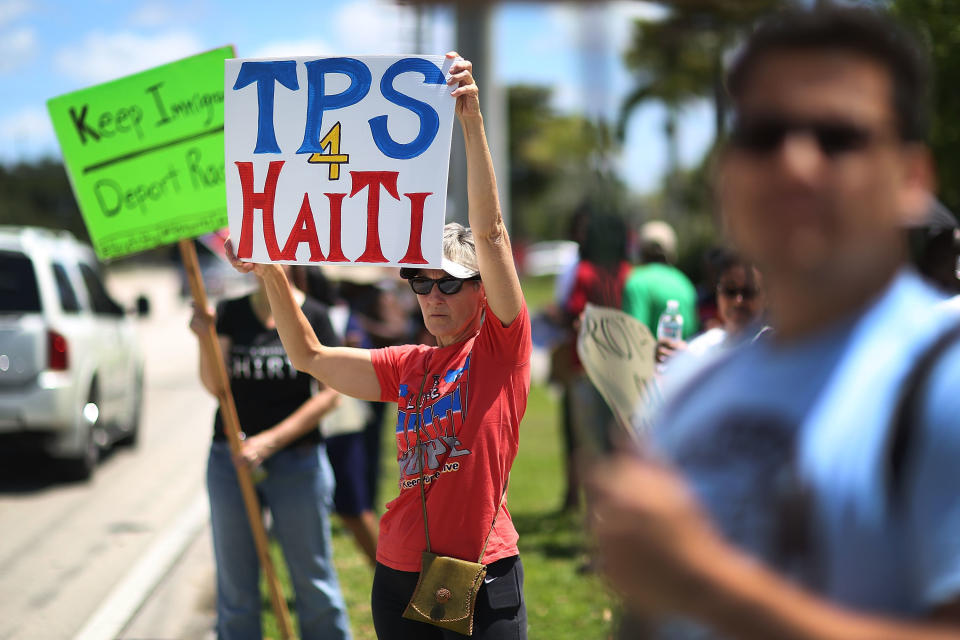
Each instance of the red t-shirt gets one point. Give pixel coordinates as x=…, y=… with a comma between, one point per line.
x=473, y=399
x=599, y=286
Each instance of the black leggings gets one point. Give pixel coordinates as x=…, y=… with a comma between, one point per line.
x=500, y=613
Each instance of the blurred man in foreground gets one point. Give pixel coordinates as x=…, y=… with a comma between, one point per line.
x=806, y=509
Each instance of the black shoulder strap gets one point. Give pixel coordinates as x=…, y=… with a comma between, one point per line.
x=908, y=413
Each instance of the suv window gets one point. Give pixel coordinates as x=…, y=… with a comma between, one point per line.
x=99, y=297
x=68, y=297
x=18, y=284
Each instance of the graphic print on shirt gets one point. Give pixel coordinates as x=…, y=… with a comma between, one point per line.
x=443, y=411
x=267, y=362
x=745, y=474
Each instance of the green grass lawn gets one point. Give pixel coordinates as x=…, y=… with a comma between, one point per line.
x=562, y=602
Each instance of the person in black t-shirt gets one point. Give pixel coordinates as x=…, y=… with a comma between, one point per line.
x=279, y=410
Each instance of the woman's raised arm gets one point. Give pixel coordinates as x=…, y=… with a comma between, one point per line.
x=494, y=254
x=346, y=369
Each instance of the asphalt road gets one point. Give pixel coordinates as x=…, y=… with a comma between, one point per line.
x=68, y=550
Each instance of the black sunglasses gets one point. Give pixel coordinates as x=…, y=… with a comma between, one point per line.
x=747, y=293
x=448, y=285
x=765, y=134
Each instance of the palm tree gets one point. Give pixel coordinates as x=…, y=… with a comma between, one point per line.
x=680, y=58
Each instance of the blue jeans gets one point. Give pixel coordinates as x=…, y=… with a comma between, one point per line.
x=297, y=490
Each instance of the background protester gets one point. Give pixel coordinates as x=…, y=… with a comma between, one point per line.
x=935, y=247
x=382, y=314
x=740, y=305
x=563, y=370
x=655, y=280
x=279, y=411
x=707, y=313
x=344, y=427
x=601, y=273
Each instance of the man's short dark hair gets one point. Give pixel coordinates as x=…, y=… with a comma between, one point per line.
x=605, y=243
x=652, y=251
x=725, y=259
x=867, y=32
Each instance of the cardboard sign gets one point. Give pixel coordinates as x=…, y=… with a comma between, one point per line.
x=617, y=352
x=145, y=154
x=338, y=160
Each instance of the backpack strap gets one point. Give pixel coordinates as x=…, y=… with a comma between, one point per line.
x=908, y=413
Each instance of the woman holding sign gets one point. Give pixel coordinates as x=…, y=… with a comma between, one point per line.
x=460, y=404
x=279, y=410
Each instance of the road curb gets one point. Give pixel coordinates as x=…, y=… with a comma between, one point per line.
x=132, y=591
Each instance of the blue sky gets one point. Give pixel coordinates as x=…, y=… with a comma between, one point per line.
x=51, y=47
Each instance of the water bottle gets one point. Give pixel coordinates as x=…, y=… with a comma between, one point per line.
x=670, y=325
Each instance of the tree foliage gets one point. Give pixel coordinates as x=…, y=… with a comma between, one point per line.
x=680, y=58
x=937, y=22
x=675, y=61
x=39, y=195
x=557, y=164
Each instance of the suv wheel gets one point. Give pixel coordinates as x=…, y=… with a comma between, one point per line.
x=129, y=437
x=82, y=467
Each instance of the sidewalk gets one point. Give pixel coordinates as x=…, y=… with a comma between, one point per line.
x=181, y=607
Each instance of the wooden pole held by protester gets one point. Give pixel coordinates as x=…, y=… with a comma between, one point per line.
x=231, y=423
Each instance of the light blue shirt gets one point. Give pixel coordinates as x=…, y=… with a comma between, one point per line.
x=786, y=445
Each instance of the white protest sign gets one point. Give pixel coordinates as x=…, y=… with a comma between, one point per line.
x=618, y=352
x=338, y=160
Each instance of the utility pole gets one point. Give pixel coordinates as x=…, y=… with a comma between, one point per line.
x=475, y=42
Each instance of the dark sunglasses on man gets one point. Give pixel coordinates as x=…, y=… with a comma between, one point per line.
x=764, y=134
x=448, y=285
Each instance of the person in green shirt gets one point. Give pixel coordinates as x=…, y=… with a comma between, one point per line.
x=655, y=281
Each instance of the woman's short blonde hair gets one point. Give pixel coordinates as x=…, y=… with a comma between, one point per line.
x=459, y=257
x=459, y=248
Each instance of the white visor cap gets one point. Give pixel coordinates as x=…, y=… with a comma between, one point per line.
x=456, y=269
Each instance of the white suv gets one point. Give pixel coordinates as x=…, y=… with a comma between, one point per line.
x=71, y=371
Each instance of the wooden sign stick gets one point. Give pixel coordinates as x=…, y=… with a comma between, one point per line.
x=231, y=424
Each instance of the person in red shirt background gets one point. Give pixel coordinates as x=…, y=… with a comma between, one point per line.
x=600, y=278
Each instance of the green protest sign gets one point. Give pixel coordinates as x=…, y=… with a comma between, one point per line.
x=145, y=154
